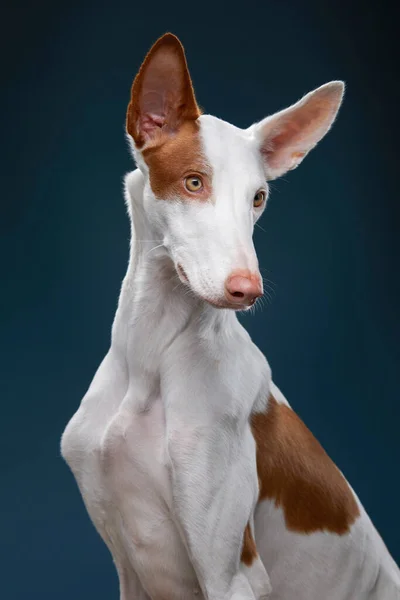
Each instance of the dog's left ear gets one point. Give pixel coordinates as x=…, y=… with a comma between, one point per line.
x=286, y=137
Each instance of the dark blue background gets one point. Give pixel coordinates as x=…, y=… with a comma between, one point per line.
x=330, y=245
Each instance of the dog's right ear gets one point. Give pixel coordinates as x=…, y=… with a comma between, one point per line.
x=162, y=95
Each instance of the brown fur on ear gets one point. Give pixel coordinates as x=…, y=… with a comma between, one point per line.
x=162, y=95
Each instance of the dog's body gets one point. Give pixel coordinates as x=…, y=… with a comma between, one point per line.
x=164, y=444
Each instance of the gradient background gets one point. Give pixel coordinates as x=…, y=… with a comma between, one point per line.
x=330, y=245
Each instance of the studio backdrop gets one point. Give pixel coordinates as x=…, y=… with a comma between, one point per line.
x=328, y=243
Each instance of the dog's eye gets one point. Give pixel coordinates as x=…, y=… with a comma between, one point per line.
x=193, y=183
x=259, y=199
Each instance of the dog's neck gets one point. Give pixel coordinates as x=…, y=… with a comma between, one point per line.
x=154, y=306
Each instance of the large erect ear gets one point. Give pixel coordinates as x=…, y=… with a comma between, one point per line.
x=162, y=95
x=286, y=137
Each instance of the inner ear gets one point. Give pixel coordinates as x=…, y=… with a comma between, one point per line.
x=286, y=137
x=162, y=95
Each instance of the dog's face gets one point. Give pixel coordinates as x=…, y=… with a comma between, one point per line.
x=206, y=180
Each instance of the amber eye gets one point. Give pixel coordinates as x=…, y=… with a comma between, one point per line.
x=259, y=199
x=193, y=183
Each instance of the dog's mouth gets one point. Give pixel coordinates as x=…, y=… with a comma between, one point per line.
x=215, y=303
x=227, y=305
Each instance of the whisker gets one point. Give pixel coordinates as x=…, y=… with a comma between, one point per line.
x=258, y=225
x=269, y=284
x=268, y=291
x=266, y=280
x=155, y=248
x=268, y=297
x=274, y=187
x=176, y=287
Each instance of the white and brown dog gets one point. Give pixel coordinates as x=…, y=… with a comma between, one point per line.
x=199, y=477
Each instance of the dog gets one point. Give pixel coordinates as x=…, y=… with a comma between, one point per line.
x=199, y=477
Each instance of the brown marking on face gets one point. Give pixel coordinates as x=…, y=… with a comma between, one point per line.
x=162, y=95
x=249, y=550
x=174, y=158
x=296, y=472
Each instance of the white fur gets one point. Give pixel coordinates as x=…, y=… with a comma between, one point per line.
x=161, y=446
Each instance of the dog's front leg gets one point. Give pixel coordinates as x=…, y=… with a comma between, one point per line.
x=214, y=488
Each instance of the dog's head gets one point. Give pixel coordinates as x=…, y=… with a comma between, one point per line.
x=206, y=180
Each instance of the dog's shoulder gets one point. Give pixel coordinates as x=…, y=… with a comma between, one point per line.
x=296, y=472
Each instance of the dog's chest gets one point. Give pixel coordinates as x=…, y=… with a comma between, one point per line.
x=133, y=458
x=132, y=480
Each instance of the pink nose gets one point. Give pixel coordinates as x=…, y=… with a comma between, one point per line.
x=243, y=287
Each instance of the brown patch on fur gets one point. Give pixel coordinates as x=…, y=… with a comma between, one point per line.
x=296, y=472
x=249, y=550
x=174, y=158
x=164, y=67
